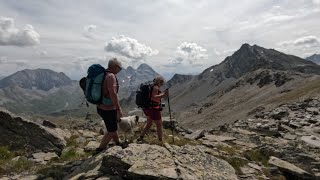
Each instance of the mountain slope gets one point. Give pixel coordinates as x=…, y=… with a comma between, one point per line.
x=251, y=77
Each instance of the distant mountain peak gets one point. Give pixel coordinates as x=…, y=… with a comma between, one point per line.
x=42, y=79
x=314, y=58
x=144, y=66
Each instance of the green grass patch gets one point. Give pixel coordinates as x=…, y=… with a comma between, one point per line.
x=5, y=153
x=257, y=156
x=73, y=155
x=230, y=150
x=72, y=141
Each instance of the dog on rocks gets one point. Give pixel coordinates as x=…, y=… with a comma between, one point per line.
x=125, y=126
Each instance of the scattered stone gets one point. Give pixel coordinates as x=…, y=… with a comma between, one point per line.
x=169, y=124
x=91, y=146
x=88, y=134
x=18, y=158
x=43, y=158
x=195, y=135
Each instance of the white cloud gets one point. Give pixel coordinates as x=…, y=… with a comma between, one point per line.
x=129, y=48
x=90, y=31
x=307, y=41
x=190, y=53
x=12, y=36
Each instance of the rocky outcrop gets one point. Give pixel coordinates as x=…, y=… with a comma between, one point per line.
x=19, y=133
x=288, y=136
x=144, y=161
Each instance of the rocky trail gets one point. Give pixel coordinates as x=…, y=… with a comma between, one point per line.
x=282, y=143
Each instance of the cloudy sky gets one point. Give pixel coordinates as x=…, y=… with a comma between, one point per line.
x=173, y=36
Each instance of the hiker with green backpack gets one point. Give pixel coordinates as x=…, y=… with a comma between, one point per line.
x=101, y=87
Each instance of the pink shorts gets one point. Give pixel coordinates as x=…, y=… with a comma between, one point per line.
x=154, y=114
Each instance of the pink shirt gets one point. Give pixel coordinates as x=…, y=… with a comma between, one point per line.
x=109, y=85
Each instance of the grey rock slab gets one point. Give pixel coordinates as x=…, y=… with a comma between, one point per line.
x=143, y=161
x=288, y=168
x=311, y=140
x=21, y=134
x=91, y=164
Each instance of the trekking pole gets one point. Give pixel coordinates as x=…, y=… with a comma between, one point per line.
x=170, y=117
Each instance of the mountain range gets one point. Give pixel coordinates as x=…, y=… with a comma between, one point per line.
x=253, y=78
x=47, y=92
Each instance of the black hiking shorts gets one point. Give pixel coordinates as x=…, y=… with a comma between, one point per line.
x=110, y=119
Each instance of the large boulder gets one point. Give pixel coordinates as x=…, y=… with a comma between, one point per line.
x=143, y=161
x=18, y=133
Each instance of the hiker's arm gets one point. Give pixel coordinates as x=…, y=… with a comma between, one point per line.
x=112, y=91
x=155, y=94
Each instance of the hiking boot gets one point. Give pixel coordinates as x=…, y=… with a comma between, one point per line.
x=98, y=150
x=123, y=145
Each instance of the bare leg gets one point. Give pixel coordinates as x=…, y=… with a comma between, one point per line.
x=159, y=128
x=115, y=137
x=146, y=127
x=105, y=140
